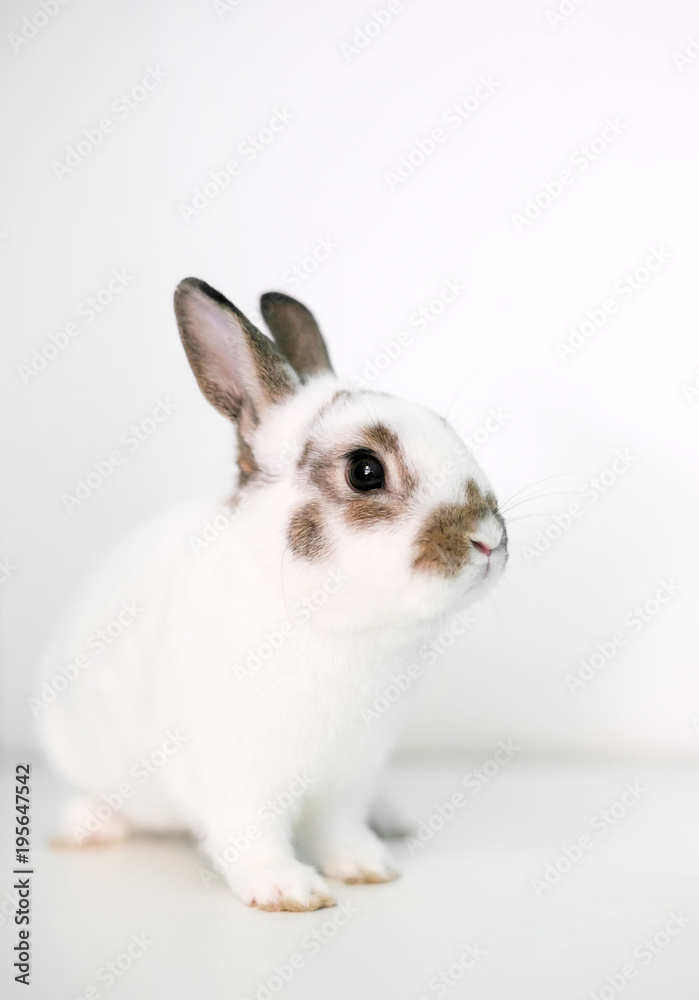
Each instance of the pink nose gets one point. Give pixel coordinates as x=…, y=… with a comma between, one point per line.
x=481, y=546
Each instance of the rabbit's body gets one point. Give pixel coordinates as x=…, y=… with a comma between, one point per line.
x=256, y=658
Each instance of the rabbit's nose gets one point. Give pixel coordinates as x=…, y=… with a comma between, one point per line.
x=481, y=546
x=487, y=537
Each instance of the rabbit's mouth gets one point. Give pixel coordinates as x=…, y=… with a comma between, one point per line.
x=481, y=578
x=458, y=537
x=498, y=557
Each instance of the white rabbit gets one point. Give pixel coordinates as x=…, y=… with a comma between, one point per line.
x=237, y=700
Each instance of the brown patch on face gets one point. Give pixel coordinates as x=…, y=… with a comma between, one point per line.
x=305, y=533
x=384, y=441
x=479, y=504
x=327, y=472
x=381, y=438
x=488, y=504
x=366, y=510
x=306, y=453
x=443, y=545
x=321, y=472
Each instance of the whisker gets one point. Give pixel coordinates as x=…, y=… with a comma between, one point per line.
x=540, y=496
x=513, y=591
x=464, y=384
x=515, y=588
x=523, y=517
x=452, y=417
x=559, y=475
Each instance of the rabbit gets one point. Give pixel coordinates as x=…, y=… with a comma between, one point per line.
x=236, y=703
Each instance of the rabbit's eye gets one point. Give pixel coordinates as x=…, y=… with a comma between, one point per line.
x=365, y=472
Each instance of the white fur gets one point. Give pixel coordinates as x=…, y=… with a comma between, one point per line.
x=248, y=740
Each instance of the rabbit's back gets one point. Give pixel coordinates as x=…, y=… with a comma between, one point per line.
x=96, y=713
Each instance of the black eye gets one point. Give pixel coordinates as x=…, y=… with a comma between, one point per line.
x=365, y=472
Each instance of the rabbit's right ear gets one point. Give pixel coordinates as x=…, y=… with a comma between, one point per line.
x=239, y=370
x=296, y=333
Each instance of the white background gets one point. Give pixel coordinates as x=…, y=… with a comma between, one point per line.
x=324, y=176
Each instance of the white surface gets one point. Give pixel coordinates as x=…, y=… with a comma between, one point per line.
x=323, y=176
x=470, y=883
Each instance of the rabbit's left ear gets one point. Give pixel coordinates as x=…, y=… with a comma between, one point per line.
x=296, y=334
x=239, y=370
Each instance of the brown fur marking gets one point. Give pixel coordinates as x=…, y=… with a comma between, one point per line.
x=384, y=441
x=273, y=377
x=247, y=466
x=370, y=878
x=365, y=509
x=443, y=546
x=476, y=501
x=318, y=901
x=326, y=470
x=305, y=533
x=306, y=453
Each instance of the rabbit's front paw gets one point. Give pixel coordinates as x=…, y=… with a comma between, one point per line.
x=357, y=858
x=284, y=886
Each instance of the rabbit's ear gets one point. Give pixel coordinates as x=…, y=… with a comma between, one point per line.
x=238, y=369
x=296, y=333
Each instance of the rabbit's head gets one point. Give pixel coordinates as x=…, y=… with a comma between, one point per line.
x=379, y=491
